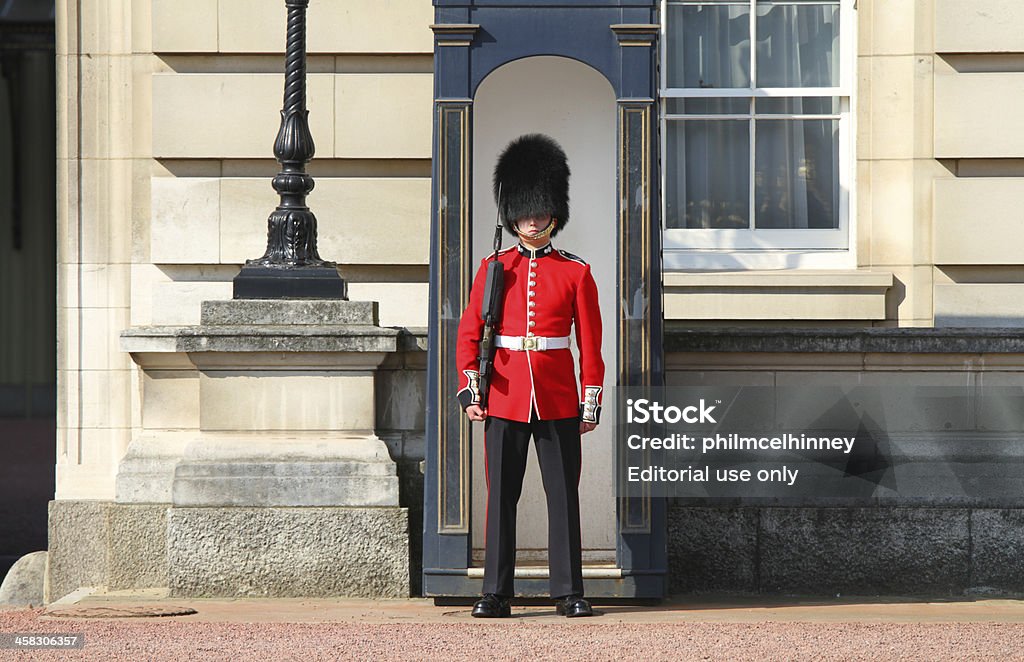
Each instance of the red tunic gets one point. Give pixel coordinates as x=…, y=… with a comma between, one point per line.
x=547, y=291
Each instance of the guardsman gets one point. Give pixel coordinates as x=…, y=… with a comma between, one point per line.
x=549, y=293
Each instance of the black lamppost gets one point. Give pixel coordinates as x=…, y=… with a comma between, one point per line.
x=291, y=268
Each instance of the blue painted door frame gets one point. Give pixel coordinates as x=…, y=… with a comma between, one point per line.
x=472, y=38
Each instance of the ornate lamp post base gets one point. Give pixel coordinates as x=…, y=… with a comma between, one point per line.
x=260, y=282
x=291, y=267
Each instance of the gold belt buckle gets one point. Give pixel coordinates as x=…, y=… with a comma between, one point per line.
x=528, y=343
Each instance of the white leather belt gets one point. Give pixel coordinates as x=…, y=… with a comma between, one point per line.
x=533, y=343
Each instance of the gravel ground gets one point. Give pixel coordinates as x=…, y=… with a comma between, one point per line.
x=518, y=639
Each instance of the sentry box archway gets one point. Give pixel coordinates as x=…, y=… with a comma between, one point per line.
x=554, y=55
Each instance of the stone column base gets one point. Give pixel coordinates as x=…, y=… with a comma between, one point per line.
x=335, y=551
x=288, y=552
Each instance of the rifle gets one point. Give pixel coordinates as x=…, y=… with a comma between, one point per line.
x=494, y=290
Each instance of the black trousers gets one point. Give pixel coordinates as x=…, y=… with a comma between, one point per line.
x=559, y=454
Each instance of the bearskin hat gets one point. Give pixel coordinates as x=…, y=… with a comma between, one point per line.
x=533, y=176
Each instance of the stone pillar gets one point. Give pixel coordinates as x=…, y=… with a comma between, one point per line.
x=282, y=489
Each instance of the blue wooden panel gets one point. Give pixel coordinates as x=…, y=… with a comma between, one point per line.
x=472, y=39
x=580, y=34
x=540, y=4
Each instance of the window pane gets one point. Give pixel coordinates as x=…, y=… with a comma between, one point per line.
x=796, y=177
x=707, y=106
x=708, y=174
x=797, y=45
x=708, y=45
x=797, y=106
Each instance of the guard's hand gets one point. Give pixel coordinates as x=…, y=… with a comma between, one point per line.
x=475, y=413
x=586, y=427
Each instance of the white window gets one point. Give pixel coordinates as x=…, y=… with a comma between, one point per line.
x=756, y=142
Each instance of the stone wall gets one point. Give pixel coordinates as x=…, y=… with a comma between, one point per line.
x=160, y=198
x=850, y=551
x=401, y=401
x=966, y=542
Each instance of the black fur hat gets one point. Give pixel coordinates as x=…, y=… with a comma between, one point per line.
x=533, y=175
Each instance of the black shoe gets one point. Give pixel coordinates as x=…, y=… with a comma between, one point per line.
x=492, y=606
x=572, y=606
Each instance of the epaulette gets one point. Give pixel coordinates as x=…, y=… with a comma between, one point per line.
x=569, y=256
x=501, y=252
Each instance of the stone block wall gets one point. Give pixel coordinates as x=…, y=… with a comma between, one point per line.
x=846, y=551
x=958, y=542
x=401, y=388
x=167, y=114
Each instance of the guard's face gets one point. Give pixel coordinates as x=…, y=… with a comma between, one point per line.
x=534, y=224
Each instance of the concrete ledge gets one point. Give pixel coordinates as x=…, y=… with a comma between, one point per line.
x=289, y=552
x=949, y=340
x=413, y=339
x=74, y=597
x=781, y=278
x=776, y=294
x=283, y=312
x=146, y=472
x=290, y=471
x=678, y=612
x=259, y=339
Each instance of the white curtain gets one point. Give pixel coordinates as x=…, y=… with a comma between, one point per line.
x=708, y=161
x=796, y=178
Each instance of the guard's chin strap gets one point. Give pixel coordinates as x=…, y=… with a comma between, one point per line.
x=539, y=234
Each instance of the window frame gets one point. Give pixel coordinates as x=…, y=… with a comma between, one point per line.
x=766, y=248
